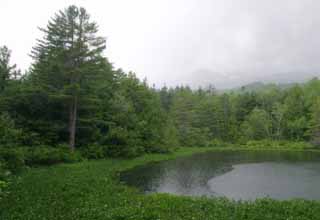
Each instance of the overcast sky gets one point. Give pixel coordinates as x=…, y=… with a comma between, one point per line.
x=226, y=43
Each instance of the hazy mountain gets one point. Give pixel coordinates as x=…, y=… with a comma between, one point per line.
x=260, y=86
x=233, y=81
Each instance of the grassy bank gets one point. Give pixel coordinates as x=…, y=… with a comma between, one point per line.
x=90, y=190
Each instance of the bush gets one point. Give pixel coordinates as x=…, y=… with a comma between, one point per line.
x=123, y=151
x=13, y=158
x=218, y=143
x=9, y=135
x=195, y=137
x=262, y=144
x=281, y=144
x=45, y=155
x=160, y=149
x=122, y=143
x=3, y=186
x=93, y=152
x=299, y=145
x=3, y=175
x=3, y=170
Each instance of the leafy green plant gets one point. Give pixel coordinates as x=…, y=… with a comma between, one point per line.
x=91, y=190
x=14, y=158
x=93, y=152
x=219, y=143
x=3, y=186
x=2, y=170
x=282, y=144
x=9, y=135
x=122, y=143
x=44, y=155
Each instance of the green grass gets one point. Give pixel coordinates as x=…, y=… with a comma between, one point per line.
x=91, y=190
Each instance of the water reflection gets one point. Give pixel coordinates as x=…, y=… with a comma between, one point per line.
x=234, y=174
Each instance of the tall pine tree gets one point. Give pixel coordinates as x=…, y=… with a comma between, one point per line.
x=7, y=71
x=68, y=60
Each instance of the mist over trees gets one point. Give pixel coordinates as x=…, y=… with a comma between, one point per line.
x=72, y=95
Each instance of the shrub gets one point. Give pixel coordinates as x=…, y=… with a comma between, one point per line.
x=195, y=137
x=13, y=158
x=263, y=144
x=3, y=176
x=122, y=143
x=45, y=155
x=281, y=144
x=93, y=152
x=2, y=170
x=126, y=151
x=3, y=185
x=300, y=145
x=160, y=149
x=9, y=135
x=218, y=143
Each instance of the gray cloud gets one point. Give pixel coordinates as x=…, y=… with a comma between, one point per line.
x=222, y=42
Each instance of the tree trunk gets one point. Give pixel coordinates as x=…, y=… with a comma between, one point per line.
x=73, y=122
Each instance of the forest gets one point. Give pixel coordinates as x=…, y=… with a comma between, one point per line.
x=72, y=107
x=72, y=99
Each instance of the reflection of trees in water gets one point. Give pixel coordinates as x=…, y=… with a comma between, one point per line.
x=186, y=178
x=190, y=176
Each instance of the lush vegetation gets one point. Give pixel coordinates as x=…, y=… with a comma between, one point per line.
x=73, y=105
x=91, y=190
x=72, y=95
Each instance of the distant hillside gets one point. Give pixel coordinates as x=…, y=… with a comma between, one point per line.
x=260, y=86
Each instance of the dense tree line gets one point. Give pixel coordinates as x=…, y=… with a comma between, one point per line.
x=72, y=95
x=274, y=114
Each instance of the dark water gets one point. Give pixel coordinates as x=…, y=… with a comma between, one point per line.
x=244, y=175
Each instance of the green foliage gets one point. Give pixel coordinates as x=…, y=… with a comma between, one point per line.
x=3, y=170
x=315, y=123
x=9, y=134
x=282, y=144
x=122, y=143
x=72, y=94
x=3, y=186
x=296, y=114
x=257, y=125
x=170, y=136
x=91, y=190
x=68, y=68
x=6, y=70
x=13, y=158
x=93, y=151
x=217, y=143
x=4, y=174
x=44, y=155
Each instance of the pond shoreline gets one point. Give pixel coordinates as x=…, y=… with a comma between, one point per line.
x=194, y=175
x=91, y=190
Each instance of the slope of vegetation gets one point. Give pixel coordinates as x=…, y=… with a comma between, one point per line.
x=72, y=105
x=260, y=87
x=90, y=190
x=73, y=96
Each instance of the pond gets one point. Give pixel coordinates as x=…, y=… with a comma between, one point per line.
x=238, y=175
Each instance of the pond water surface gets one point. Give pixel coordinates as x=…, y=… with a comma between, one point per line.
x=239, y=175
